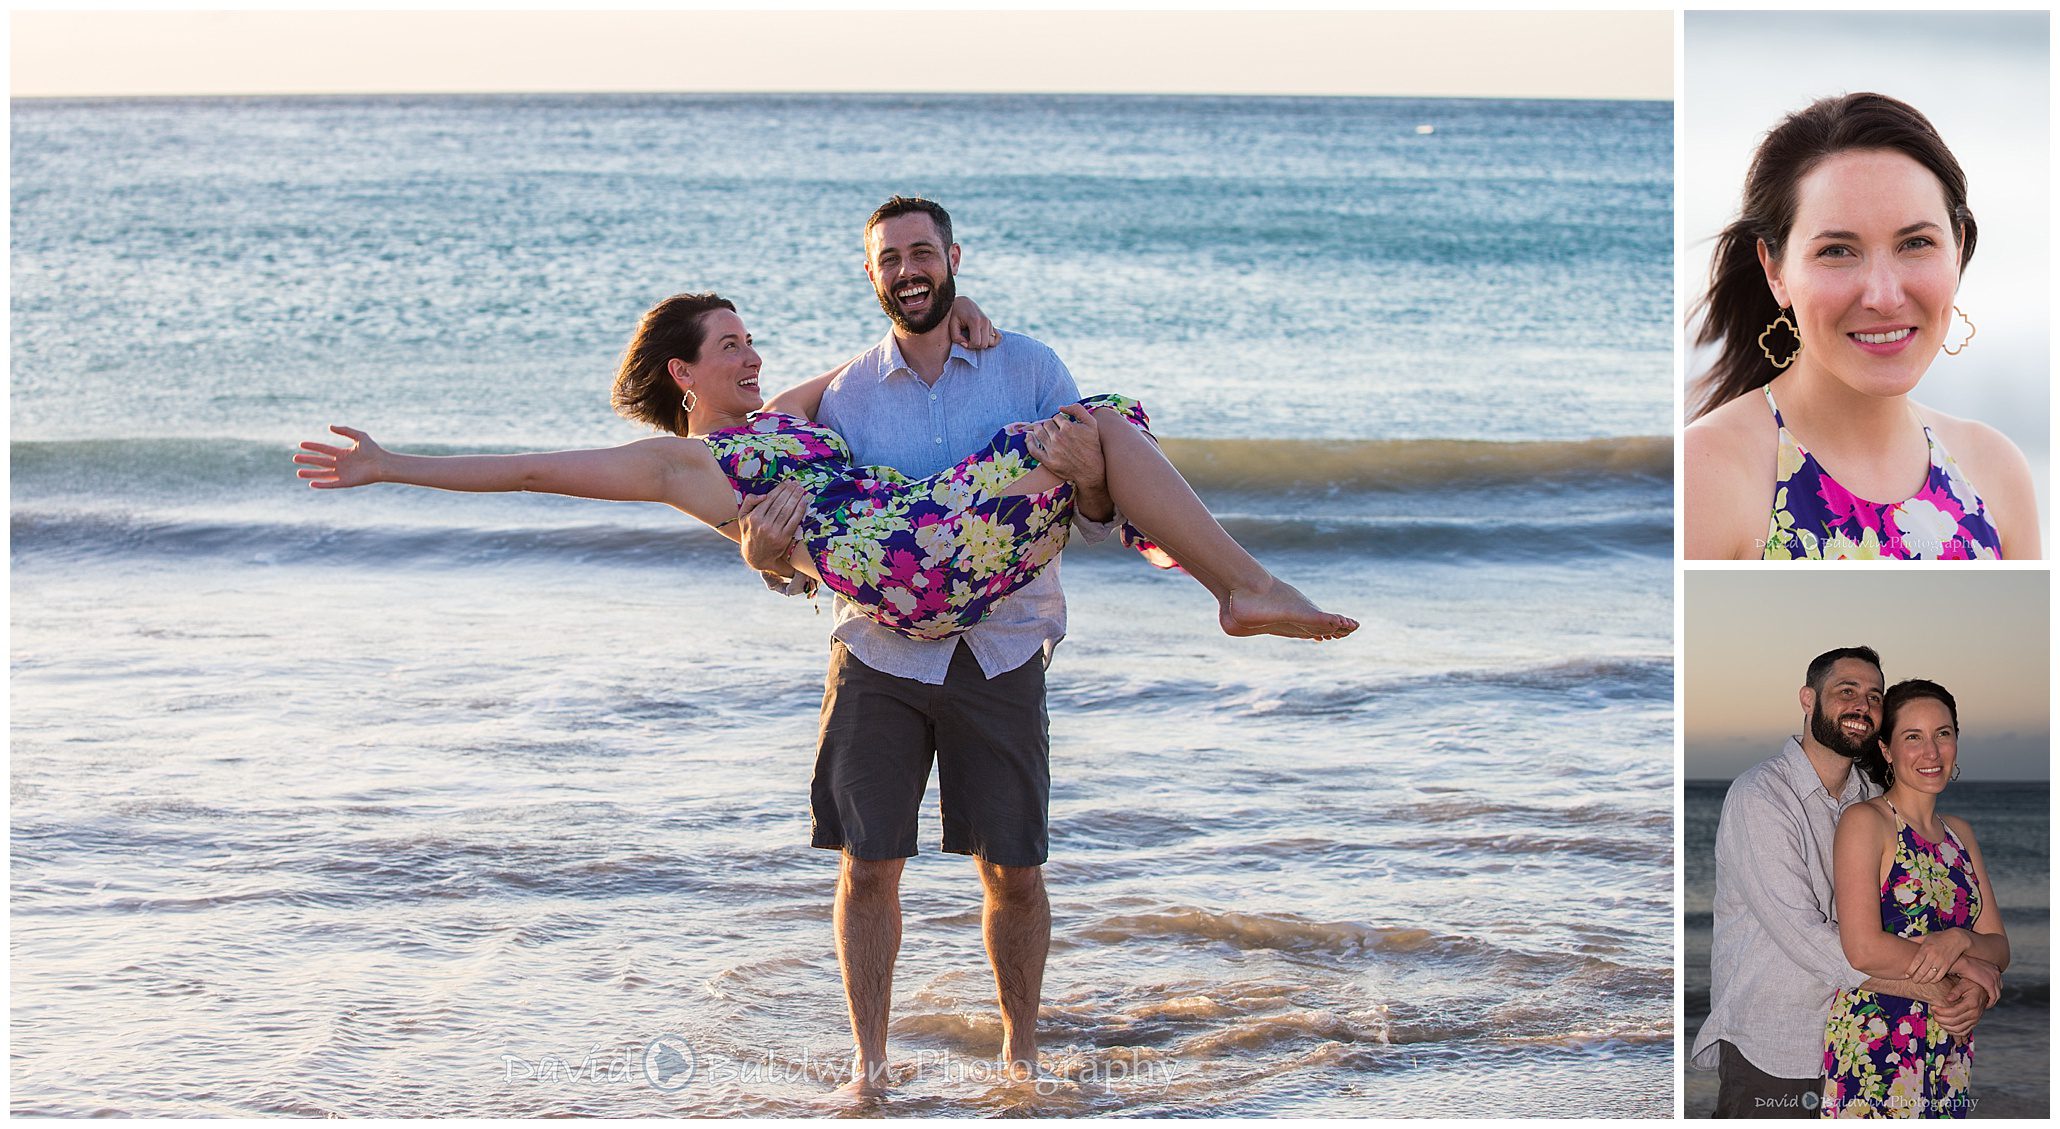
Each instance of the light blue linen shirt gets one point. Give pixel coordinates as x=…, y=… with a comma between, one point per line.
x=891, y=418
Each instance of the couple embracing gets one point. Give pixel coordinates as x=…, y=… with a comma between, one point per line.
x=1857, y=940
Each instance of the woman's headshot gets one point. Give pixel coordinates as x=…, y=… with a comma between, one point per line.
x=1838, y=404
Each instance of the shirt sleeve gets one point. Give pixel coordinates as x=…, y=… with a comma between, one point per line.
x=1759, y=837
x=1056, y=389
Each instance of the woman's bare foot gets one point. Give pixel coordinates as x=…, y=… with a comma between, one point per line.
x=1276, y=608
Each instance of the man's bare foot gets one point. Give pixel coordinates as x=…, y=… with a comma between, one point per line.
x=1276, y=608
x=1022, y=1067
x=868, y=1081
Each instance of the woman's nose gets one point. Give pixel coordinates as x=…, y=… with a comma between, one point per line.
x=1884, y=286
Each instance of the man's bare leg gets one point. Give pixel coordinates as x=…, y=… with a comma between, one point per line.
x=867, y=920
x=1017, y=925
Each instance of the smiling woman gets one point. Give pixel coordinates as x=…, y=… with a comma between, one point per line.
x=1914, y=903
x=1830, y=297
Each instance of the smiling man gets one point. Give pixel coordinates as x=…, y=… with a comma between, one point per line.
x=975, y=703
x=1776, y=960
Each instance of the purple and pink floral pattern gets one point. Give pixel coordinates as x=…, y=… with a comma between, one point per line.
x=926, y=557
x=1882, y=1055
x=1817, y=519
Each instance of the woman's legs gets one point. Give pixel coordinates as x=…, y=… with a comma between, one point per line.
x=1152, y=495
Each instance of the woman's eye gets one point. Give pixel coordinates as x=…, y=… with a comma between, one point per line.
x=1919, y=243
x=1835, y=251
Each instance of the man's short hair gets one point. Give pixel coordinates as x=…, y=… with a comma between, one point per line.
x=1820, y=667
x=906, y=205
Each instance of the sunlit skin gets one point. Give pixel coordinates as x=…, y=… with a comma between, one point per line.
x=911, y=268
x=1870, y=270
x=724, y=378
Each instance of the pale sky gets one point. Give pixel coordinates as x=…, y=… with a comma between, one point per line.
x=1466, y=54
x=1748, y=636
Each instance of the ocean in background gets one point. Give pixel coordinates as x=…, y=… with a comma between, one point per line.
x=2013, y=1042
x=398, y=803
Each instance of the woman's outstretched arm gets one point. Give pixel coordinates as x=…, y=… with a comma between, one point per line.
x=675, y=471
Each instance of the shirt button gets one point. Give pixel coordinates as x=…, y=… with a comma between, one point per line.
x=933, y=395
x=940, y=439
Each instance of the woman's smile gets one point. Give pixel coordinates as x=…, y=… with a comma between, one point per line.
x=1884, y=342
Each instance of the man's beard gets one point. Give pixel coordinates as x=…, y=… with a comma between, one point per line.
x=941, y=297
x=1832, y=735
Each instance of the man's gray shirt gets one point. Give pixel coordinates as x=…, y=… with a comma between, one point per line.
x=1775, y=958
x=891, y=418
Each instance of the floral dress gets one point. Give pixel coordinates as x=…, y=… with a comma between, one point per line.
x=1882, y=1056
x=1817, y=519
x=927, y=557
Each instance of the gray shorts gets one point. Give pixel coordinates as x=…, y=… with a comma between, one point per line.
x=991, y=740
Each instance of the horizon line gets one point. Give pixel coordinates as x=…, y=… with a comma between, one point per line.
x=804, y=93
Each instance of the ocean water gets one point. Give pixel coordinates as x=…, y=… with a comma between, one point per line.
x=2013, y=1068
x=396, y=803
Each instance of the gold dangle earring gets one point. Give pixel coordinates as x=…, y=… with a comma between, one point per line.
x=687, y=401
x=1970, y=335
x=1781, y=323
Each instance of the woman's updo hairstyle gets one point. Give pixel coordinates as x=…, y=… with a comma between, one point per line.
x=1738, y=308
x=1872, y=762
x=644, y=389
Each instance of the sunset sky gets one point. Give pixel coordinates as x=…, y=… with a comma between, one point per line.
x=1499, y=54
x=1749, y=635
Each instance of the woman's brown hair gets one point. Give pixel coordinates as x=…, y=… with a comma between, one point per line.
x=644, y=388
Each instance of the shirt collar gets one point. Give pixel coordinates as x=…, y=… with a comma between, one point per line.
x=896, y=363
x=1796, y=765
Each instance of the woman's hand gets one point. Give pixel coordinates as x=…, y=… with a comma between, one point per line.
x=338, y=468
x=768, y=526
x=967, y=326
x=1936, y=953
